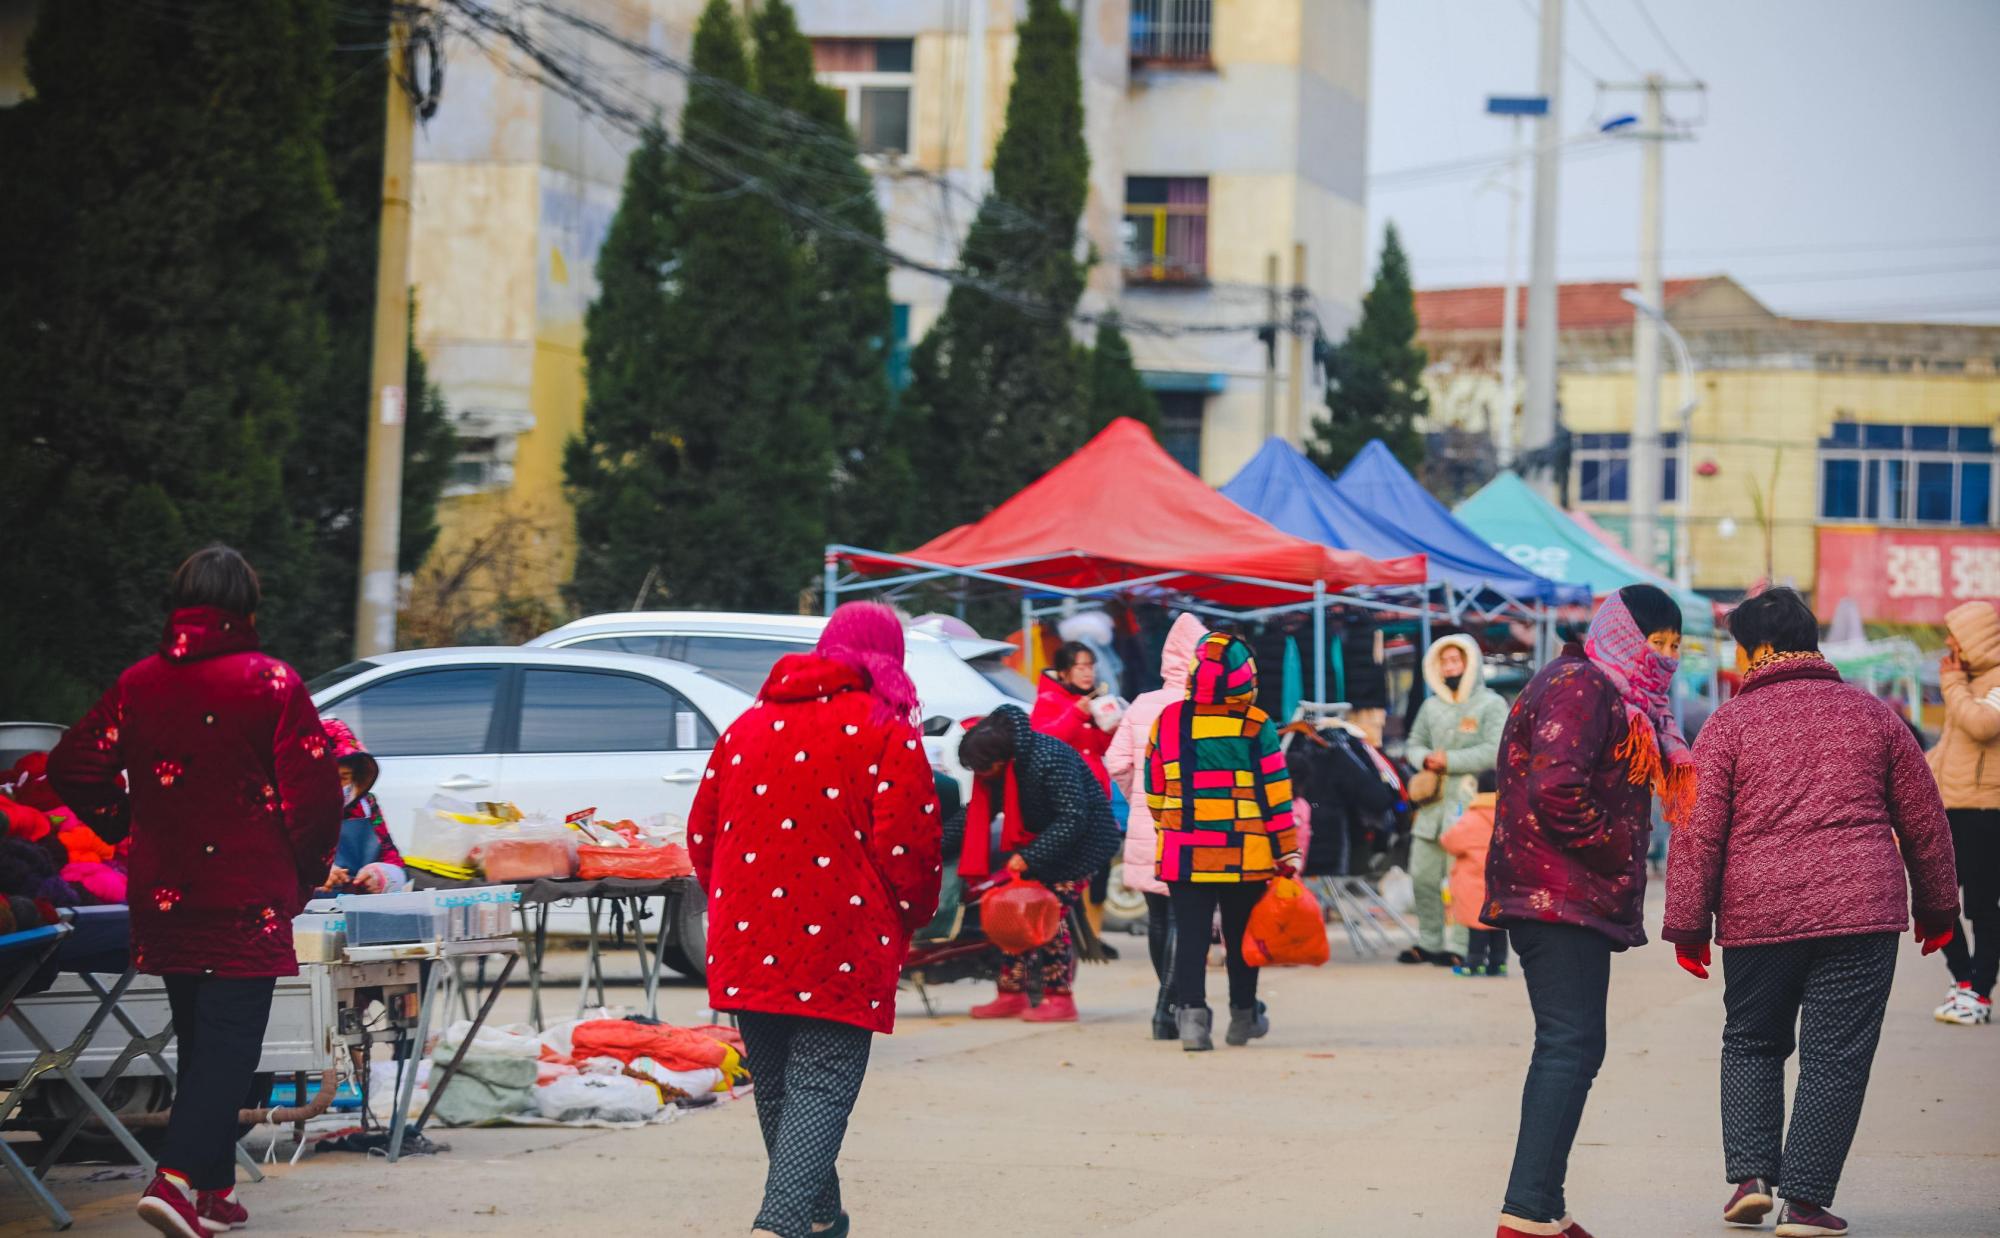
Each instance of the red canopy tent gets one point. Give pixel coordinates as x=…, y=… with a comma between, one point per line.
x=1122, y=513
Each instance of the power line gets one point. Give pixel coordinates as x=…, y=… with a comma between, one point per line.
x=1661, y=36
x=1590, y=16
x=1569, y=53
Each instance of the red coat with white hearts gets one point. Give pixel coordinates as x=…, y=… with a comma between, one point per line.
x=234, y=803
x=816, y=835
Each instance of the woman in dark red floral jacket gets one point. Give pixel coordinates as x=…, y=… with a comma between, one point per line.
x=234, y=808
x=816, y=835
x=1814, y=803
x=1588, y=745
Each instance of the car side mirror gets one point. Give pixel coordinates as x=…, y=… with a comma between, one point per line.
x=937, y=727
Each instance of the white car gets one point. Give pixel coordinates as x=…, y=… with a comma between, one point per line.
x=956, y=678
x=550, y=730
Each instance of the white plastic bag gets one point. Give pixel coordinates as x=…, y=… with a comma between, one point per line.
x=517, y=1041
x=601, y=1098
x=1399, y=892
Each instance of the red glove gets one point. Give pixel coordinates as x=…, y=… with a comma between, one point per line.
x=1693, y=958
x=1288, y=865
x=1936, y=935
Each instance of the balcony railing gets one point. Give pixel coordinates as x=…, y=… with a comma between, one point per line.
x=1171, y=33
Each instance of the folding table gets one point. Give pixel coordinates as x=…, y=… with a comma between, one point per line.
x=21, y=956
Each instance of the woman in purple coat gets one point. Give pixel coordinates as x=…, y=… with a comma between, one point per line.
x=1814, y=803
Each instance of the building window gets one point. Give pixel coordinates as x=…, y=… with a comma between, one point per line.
x=873, y=78
x=1180, y=426
x=1166, y=229
x=1942, y=475
x=1602, y=465
x=1171, y=33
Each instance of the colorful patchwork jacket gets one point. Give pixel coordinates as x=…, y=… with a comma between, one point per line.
x=1215, y=777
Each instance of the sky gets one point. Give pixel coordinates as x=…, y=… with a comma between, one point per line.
x=1844, y=160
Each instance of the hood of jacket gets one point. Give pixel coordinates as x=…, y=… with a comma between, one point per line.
x=197, y=632
x=1468, y=683
x=1178, y=655
x=807, y=677
x=1976, y=627
x=1223, y=672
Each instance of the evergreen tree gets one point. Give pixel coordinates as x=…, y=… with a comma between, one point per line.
x=844, y=312
x=616, y=470
x=998, y=385
x=326, y=470
x=168, y=207
x=1375, y=377
x=1115, y=387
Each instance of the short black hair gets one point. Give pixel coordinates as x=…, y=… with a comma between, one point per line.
x=990, y=742
x=1776, y=617
x=1651, y=608
x=1069, y=652
x=216, y=576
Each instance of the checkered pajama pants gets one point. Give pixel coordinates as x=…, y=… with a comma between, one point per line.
x=805, y=1074
x=1824, y=997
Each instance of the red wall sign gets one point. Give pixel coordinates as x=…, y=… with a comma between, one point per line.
x=1905, y=575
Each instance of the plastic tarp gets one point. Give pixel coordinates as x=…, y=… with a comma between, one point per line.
x=1536, y=533
x=1121, y=509
x=1378, y=509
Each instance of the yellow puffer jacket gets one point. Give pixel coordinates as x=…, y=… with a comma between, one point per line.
x=1967, y=757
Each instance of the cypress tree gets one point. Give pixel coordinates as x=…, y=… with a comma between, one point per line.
x=998, y=384
x=168, y=206
x=1115, y=387
x=844, y=311
x=1375, y=377
x=615, y=470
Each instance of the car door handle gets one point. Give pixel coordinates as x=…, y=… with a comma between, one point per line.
x=681, y=776
x=463, y=782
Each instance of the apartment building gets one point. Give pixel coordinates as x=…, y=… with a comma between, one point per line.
x=1852, y=459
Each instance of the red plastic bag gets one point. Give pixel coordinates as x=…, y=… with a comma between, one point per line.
x=639, y=862
x=1286, y=928
x=1020, y=916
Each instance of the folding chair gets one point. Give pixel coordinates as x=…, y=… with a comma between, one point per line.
x=21, y=956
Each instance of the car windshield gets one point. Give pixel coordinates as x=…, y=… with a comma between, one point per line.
x=1002, y=676
x=339, y=675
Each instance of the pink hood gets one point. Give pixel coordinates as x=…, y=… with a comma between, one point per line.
x=1127, y=755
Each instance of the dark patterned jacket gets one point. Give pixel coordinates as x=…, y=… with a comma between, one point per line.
x=1570, y=828
x=1065, y=809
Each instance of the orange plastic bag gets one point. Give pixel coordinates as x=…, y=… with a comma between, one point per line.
x=1286, y=928
x=1020, y=916
x=643, y=863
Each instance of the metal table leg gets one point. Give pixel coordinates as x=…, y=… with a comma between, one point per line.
x=538, y=948
x=407, y=1089
x=441, y=1081
x=594, y=907
x=33, y=1185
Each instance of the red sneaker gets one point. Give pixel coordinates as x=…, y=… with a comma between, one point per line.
x=1005, y=1006
x=1750, y=1203
x=167, y=1208
x=1055, y=1008
x=1518, y=1227
x=219, y=1211
x=1799, y=1219
x=1572, y=1230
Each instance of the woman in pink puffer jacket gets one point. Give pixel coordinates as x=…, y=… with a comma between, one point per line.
x=1126, y=759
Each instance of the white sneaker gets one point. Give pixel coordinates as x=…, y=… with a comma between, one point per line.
x=1965, y=1008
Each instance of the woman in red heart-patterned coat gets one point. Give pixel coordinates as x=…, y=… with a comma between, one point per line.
x=233, y=807
x=816, y=835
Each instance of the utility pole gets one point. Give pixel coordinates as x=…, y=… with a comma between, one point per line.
x=1514, y=107
x=1297, y=416
x=382, y=494
x=1272, y=325
x=975, y=93
x=1644, y=474
x=1538, y=427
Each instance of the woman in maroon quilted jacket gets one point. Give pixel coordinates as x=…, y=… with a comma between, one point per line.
x=1588, y=745
x=1814, y=803
x=816, y=835
x=233, y=807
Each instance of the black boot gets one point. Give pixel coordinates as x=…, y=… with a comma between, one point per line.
x=1165, y=1026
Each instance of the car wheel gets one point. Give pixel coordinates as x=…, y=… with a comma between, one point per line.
x=1124, y=907
x=130, y=1096
x=687, y=944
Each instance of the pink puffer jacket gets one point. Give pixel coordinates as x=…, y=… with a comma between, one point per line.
x=1126, y=758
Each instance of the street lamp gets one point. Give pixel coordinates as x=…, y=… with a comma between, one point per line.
x=1683, y=574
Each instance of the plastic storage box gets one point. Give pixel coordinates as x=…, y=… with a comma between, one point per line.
x=392, y=919
x=319, y=937
x=482, y=913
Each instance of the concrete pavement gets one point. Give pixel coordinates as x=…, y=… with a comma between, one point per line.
x=1383, y=1103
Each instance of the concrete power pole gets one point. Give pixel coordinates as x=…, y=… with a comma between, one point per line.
x=1274, y=312
x=382, y=494
x=1538, y=427
x=1643, y=483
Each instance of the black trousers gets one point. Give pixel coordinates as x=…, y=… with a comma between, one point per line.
x=805, y=1074
x=1160, y=937
x=1486, y=948
x=1825, y=998
x=1195, y=904
x=219, y=1037
x=1975, y=840
x=1568, y=970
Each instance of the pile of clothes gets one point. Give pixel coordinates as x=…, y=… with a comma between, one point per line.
x=47, y=852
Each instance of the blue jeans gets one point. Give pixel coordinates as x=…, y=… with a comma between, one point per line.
x=1568, y=970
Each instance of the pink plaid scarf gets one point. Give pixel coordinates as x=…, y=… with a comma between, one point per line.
x=1655, y=748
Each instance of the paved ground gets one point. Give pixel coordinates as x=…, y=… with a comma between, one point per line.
x=1383, y=1104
